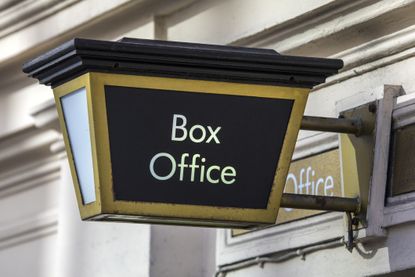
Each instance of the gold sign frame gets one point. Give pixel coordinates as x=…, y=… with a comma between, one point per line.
x=105, y=208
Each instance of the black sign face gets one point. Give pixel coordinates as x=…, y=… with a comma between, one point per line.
x=194, y=148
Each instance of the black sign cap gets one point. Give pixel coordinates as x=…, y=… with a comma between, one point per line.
x=179, y=60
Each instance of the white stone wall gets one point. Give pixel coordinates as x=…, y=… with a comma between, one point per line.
x=40, y=230
x=41, y=233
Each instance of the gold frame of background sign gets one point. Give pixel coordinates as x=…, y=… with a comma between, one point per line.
x=326, y=163
x=182, y=213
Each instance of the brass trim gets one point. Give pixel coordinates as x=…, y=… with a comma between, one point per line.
x=105, y=204
x=83, y=81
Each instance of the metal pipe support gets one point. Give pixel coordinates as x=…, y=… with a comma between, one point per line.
x=337, y=125
x=316, y=202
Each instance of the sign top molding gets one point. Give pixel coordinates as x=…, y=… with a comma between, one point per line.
x=179, y=60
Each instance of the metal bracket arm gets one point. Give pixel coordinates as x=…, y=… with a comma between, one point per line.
x=315, y=202
x=337, y=125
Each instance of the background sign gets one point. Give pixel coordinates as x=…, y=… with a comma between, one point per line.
x=315, y=175
x=194, y=148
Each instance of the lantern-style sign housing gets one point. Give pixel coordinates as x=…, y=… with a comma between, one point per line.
x=178, y=133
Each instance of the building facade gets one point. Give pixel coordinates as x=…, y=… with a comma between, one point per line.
x=41, y=233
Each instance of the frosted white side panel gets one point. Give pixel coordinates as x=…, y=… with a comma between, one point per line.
x=75, y=110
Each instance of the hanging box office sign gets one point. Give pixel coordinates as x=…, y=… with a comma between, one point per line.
x=178, y=133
